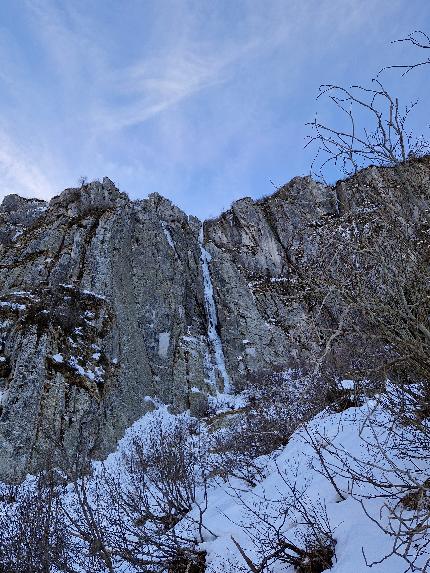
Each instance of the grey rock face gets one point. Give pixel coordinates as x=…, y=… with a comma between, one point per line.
x=265, y=254
x=257, y=249
x=102, y=304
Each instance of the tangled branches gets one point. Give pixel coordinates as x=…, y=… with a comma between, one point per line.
x=375, y=133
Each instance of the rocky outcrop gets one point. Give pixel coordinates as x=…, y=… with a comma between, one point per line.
x=258, y=249
x=108, y=304
x=268, y=256
x=101, y=308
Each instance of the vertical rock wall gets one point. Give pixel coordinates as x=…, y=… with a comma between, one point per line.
x=107, y=304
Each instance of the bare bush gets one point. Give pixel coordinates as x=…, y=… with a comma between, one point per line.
x=150, y=515
x=374, y=295
x=310, y=548
x=278, y=402
x=34, y=535
x=377, y=288
x=374, y=290
x=391, y=467
x=144, y=513
x=82, y=181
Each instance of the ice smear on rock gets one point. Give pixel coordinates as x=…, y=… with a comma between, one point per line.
x=167, y=234
x=163, y=344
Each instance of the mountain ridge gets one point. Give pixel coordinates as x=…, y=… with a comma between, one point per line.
x=108, y=303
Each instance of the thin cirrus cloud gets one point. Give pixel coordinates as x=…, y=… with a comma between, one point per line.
x=151, y=87
x=203, y=102
x=17, y=171
x=131, y=94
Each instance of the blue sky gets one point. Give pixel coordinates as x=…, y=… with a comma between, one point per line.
x=203, y=101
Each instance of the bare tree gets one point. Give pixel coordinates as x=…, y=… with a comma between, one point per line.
x=375, y=133
x=310, y=548
x=419, y=39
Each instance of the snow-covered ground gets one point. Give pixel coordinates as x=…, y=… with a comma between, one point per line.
x=292, y=485
x=232, y=506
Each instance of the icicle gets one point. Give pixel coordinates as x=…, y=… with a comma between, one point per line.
x=214, y=339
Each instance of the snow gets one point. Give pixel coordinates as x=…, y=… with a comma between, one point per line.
x=73, y=362
x=93, y=294
x=213, y=336
x=85, y=291
x=160, y=414
x=167, y=234
x=17, y=234
x=163, y=344
x=12, y=305
x=347, y=384
x=3, y=397
x=222, y=403
x=192, y=339
x=298, y=463
x=58, y=358
x=233, y=505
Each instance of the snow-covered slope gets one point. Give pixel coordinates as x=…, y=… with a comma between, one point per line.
x=295, y=487
x=340, y=481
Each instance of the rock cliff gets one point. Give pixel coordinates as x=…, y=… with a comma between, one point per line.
x=107, y=304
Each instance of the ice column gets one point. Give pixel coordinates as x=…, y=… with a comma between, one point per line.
x=213, y=336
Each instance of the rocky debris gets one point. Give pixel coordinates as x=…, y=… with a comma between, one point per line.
x=107, y=303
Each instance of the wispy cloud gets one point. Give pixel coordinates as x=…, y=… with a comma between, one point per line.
x=151, y=86
x=20, y=174
x=202, y=101
x=120, y=97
